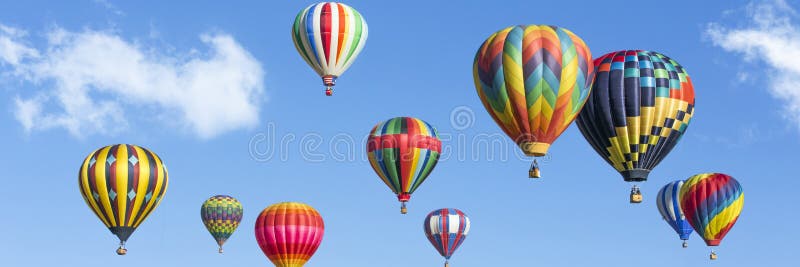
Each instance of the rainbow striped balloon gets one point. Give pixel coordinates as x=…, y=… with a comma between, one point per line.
x=289, y=233
x=329, y=37
x=533, y=80
x=403, y=151
x=712, y=203
x=221, y=215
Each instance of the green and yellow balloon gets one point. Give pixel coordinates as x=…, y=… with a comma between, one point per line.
x=221, y=214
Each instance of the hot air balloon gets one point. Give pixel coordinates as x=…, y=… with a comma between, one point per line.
x=640, y=106
x=289, y=233
x=122, y=184
x=533, y=80
x=446, y=229
x=403, y=151
x=712, y=203
x=221, y=215
x=669, y=206
x=329, y=36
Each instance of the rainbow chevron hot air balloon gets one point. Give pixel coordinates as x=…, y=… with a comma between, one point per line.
x=641, y=104
x=329, y=36
x=221, y=215
x=289, y=233
x=403, y=151
x=533, y=80
x=446, y=229
x=122, y=184
x=669, y=206
x=712, y=203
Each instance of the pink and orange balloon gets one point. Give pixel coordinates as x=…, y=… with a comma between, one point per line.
x=289, y=233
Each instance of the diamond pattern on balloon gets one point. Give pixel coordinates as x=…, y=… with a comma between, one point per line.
x=133, y=160
x=110, y=160
x=131, y=195
x=112, y=194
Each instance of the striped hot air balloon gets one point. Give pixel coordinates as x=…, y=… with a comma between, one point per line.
x=533, y=80
x=669, y=206
x=712, y=203
x=329, y=36
x=221, y=215
x=446, y=229
x=403, y=151
x=122, y=184
x=641, y=104
x=289, y=233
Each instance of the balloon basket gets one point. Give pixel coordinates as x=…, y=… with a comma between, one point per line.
x=534, y=172
x=636, y=195
x=712, y=256
x=122, y=251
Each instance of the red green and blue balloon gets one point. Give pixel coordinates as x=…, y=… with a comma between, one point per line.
x=403, y=151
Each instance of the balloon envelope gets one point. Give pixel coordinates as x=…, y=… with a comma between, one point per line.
x=712, y=203
x=446, y=229
x=403, y=151
x=221, y=215
x=122, y=184
x=533, y=80
x=669, y=206
x=641, y=104
x=329, y=36
x=289, y=233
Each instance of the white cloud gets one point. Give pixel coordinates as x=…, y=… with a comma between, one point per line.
x=771, y=36
x=95, y=82
x=110, y=7
x=12, y=50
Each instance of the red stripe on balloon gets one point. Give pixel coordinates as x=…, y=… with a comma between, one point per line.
x=325, y=22
x=393, y=141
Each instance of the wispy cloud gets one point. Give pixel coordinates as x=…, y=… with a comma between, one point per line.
x=745, y=136
x=12, y=47
x=95, y=82
x=111, y=7
x=770, y=35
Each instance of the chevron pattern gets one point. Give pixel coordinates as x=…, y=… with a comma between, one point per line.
x=533, y=80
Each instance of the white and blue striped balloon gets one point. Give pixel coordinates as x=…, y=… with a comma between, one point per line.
x=669, y=206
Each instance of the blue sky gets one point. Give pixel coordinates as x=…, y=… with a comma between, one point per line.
x=209, y=86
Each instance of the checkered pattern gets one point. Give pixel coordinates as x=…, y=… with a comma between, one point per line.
x=221, y=214
x=640, y=106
